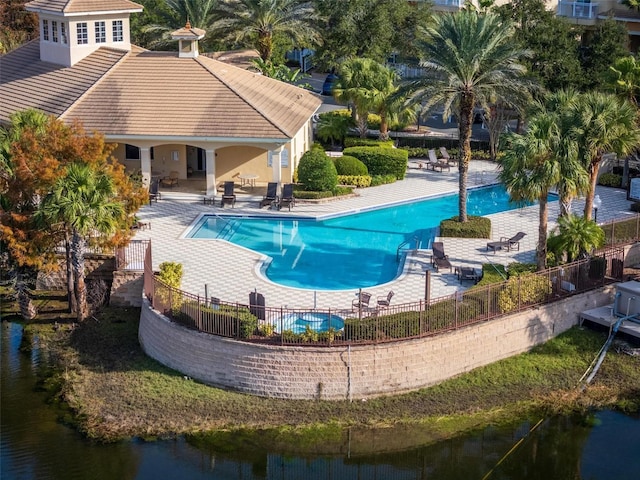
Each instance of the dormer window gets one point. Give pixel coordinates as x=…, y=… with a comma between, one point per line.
x=45, y=30
x=54, y=31
x=117, y=31
x=101, y=32
x=83, y=35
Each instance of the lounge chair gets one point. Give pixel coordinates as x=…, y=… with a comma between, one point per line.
x=287, y=199
x=361, y=302
x=508, y=244
x=434, y=163
x=170, y=181
x=385, y=301
x=447, y=158
x=154, y=191
x=228, y=196
x=271, y=197
x=438, y=258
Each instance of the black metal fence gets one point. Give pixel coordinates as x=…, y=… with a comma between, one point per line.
x=255, y=322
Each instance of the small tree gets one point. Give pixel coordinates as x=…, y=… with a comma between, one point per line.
x=578, y=236
x=317, y=172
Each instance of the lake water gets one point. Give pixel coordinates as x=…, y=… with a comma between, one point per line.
x=35, y=445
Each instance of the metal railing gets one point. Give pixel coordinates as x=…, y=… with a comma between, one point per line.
x=132, y=256
x=255, y=322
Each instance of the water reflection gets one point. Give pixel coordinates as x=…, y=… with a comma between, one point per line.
x=34, y=445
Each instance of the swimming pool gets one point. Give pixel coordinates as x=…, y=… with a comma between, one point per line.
x=349, y=251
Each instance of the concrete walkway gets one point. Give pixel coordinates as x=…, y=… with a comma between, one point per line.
x=232, y=272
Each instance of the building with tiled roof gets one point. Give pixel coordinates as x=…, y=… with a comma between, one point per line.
x=167, y=111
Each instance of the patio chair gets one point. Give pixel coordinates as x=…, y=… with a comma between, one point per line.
x=154, y=191
x=438, y=258
x=287, y=199
x=228, y=196
x=467, y=274
x=385, y=301
x=434, y=163
x=447, y=158
x=509, y=244
x=271, y=197
x=361, y=302
x=170, y=181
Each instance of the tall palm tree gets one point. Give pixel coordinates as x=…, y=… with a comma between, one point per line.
x=386, y=102
x=356, y=85
x=83, y=202
x=531, y=168
x=603, y=124
x=470, y=59
x=258, y=22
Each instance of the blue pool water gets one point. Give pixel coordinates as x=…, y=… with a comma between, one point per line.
x=318, y=321
x=349, y=251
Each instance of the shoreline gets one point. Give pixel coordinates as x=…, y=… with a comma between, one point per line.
x=112, y=391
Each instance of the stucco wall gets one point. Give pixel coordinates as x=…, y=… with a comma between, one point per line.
x=360, y=371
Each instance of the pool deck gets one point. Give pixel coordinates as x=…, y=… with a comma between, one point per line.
x=231, y=272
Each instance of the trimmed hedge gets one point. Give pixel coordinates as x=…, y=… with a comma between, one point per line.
x=610, y=180
x=360, y=181
x=348, y=165
x=367, y=142
x=382, y=180
x=381, y=161
x=317, y=172
x=476, y=227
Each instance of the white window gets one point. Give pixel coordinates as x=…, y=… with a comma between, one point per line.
x=83, y=36
x=54, y=31
x=101, y=32
x=63, y=32
x=45, y=30
x=116, y=26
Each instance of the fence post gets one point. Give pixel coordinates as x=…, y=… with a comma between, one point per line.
x=199, y=315
x=171, y=302
x=420, y=319
x=519, y=296
x=455, y=311
x=237, y=320
x=281, y=325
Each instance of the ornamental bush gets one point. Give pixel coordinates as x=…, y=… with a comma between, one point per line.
x=317, y=172
x=367, y=142
x=360, y=181
x=381, y=160
x=475, y=227
x=610, y=180
x=348, y=165
x=523, y=290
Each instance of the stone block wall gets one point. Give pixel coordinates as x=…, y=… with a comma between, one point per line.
x=355, y=372
x=126, y=289
x=95, y=266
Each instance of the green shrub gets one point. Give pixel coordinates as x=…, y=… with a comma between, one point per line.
x=367, y=142
x=492, y=273
x=220, y=320
x=382, y=180
x=373, y=121
x=610, y=180
x=360, y=181
x=381, y=161
x=523, y=290
x=305, y=195
x=635, y=207
x=317, y=172
x=475, y=227
x=171, y=274
x=347, y=165
x=516, y=268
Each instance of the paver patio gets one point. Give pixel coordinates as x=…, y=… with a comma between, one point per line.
x=232, y=272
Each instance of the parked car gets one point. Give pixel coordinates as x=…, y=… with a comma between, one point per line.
x=329, y=84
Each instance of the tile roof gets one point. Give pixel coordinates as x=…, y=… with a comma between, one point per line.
x=27, y=82
x=83, y=6
x=155, y=93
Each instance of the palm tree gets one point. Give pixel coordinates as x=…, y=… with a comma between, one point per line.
x=259, y=22
x=385, y=99
x=531, y=168
x=470, y=59
x=603, y=124
x=83, y=202
x=578, y=236
x=332, y=127
x=356, y=85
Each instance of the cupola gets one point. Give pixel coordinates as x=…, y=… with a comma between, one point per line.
x=188, y=37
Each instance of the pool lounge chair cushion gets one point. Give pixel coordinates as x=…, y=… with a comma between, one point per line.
x=438, y=258
x=434, y=163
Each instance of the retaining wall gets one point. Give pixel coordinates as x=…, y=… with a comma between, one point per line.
x=126, y=289
x=358, y=371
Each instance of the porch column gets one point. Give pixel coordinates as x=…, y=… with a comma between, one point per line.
x=145, y=165
x=276, y=164
x=210, y=167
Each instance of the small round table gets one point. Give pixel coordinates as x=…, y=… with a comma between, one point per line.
x=248, y=179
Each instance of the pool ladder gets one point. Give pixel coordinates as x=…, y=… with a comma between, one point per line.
x=228, y=230
x=405, y=246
